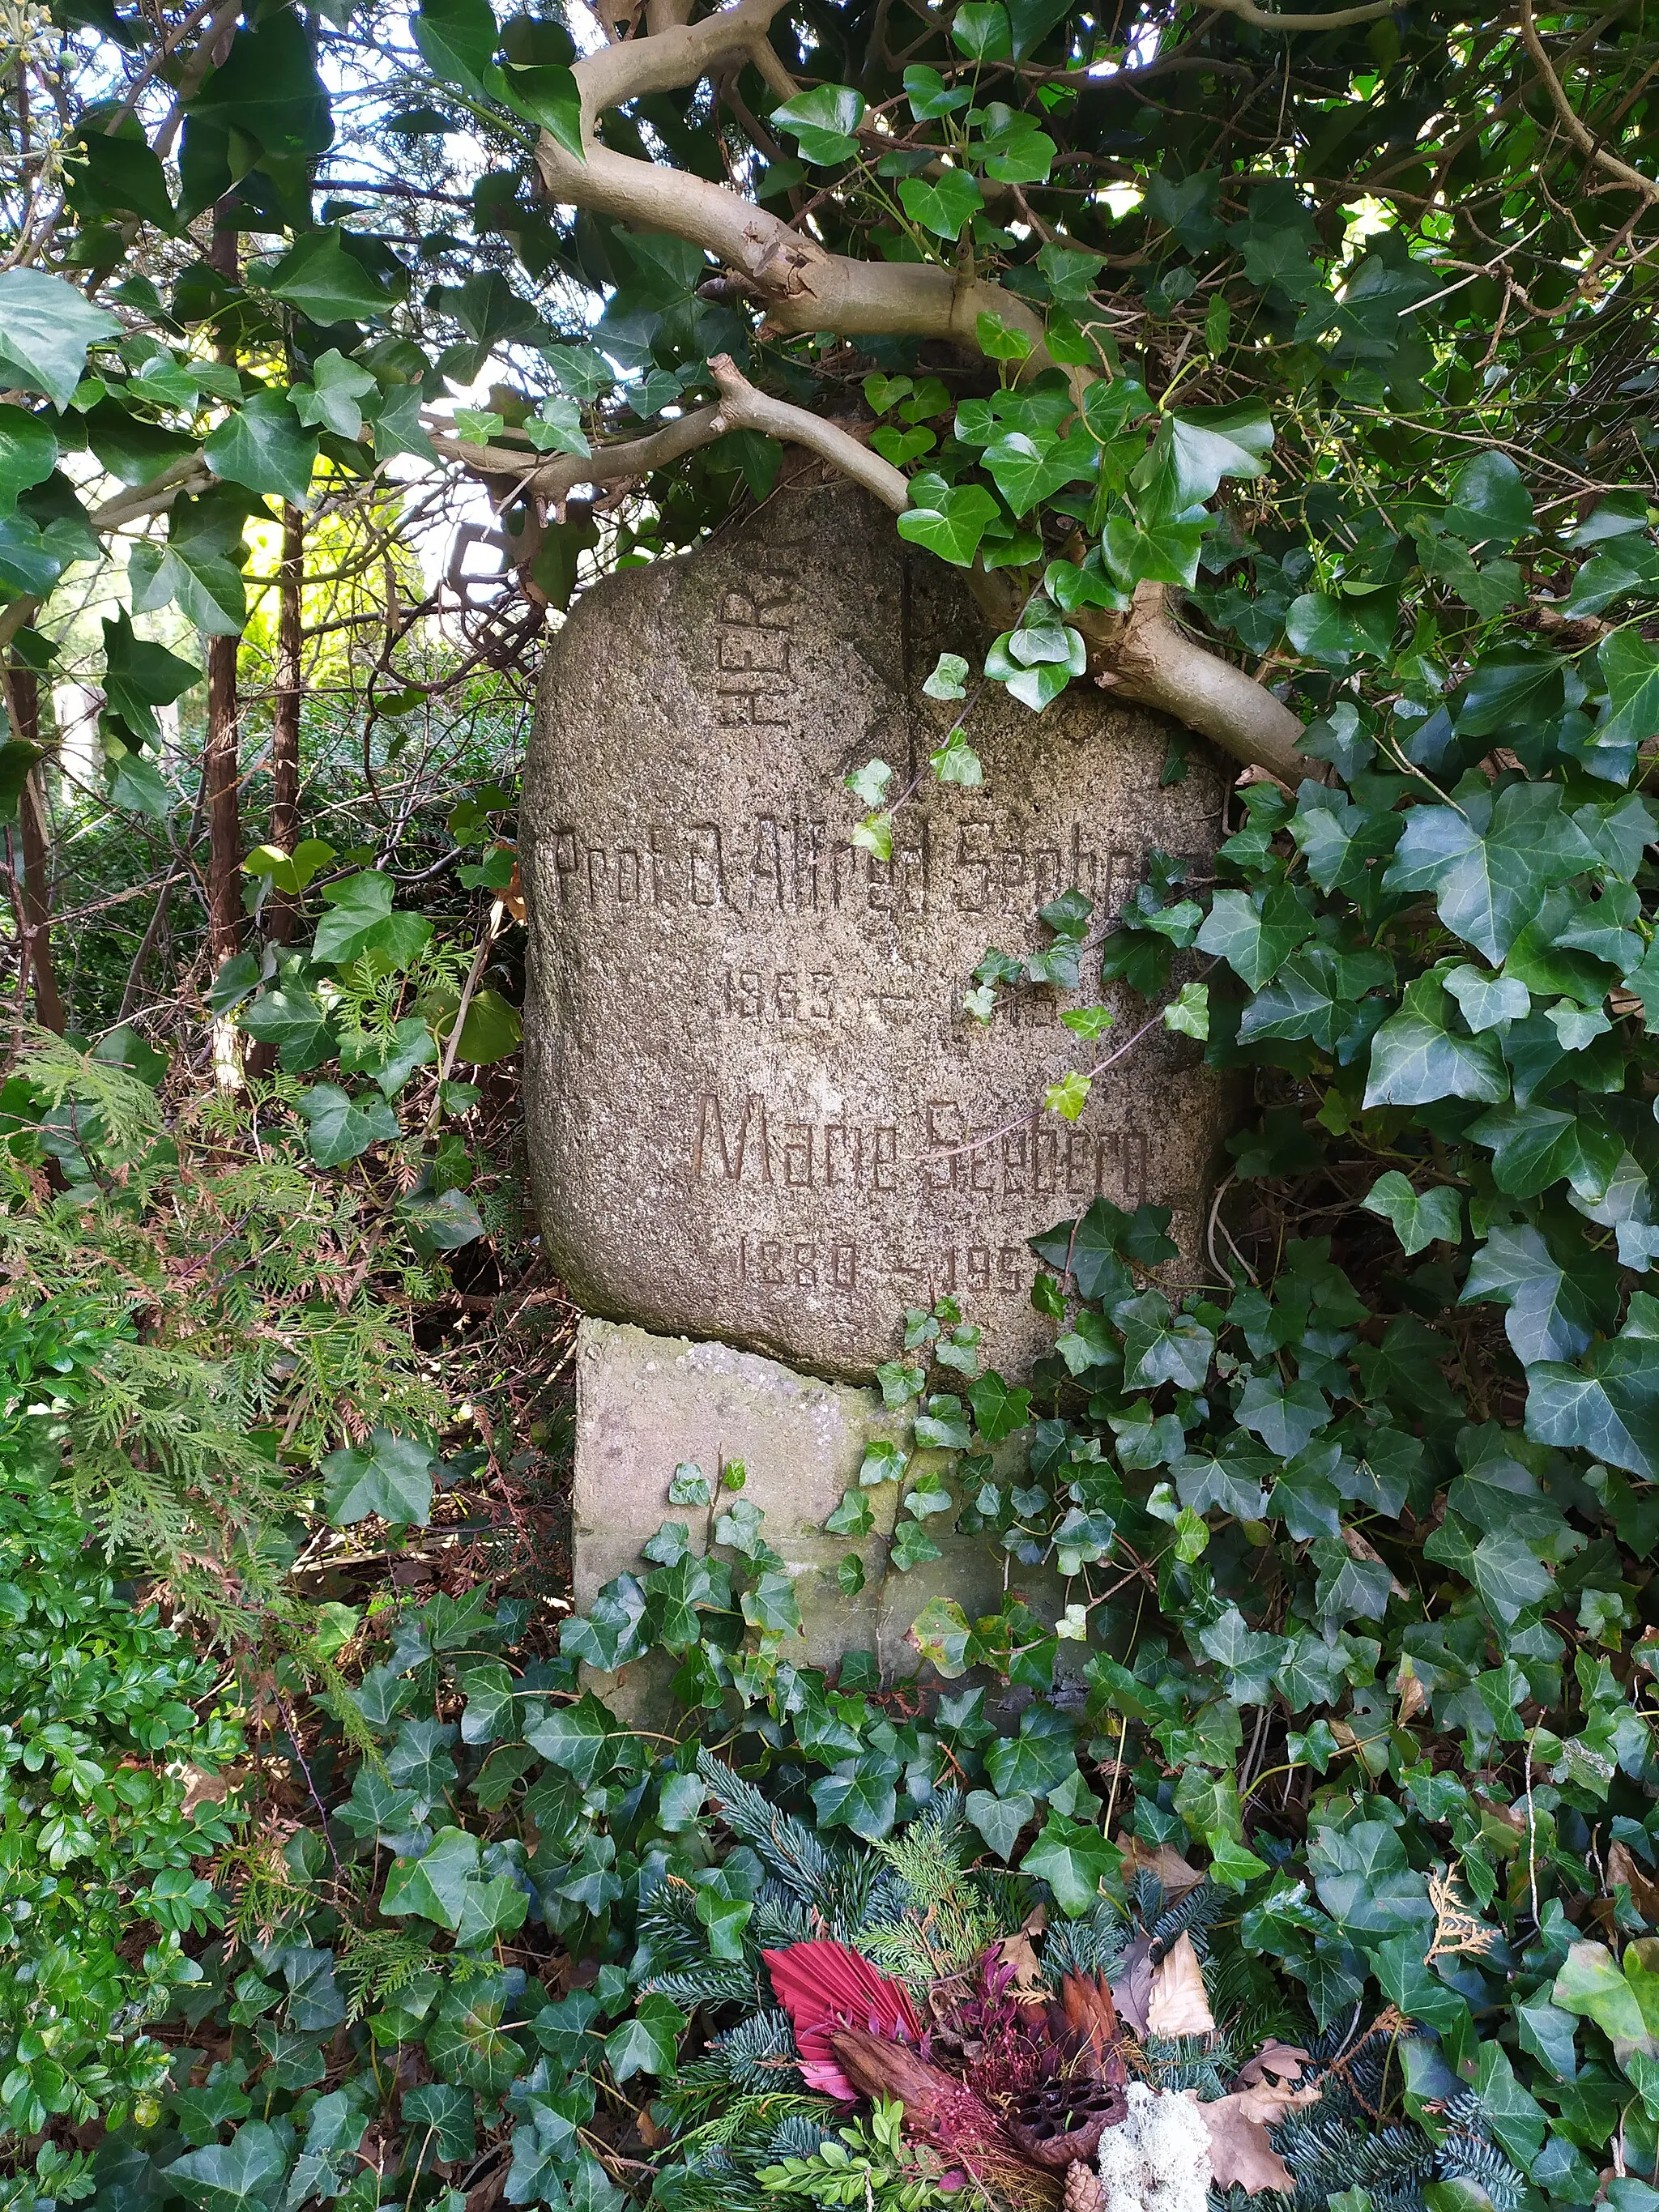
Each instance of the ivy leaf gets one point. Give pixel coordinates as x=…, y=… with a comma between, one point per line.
x=912, y=1547
x=261, y=445
x=1552, y=1312
x=448, y=2113
x=941, y=1633
x=46, y=329
x=548, y=93
x=929, y=97
x=326, y=284
x=1624, y=565
x=197, y=566
x=1609, y=1407
x=823, y=122
x=291, y=1019
x=999, y=1410
x=1365, y=1882
x=341, y=1127
x=1487, y=500
x=139, y=676
x=944, y=204
x=1255, y=934
x=1488, y=887
x=943, y=1426
x=390, y=1476
x=1195, y=449
x=457, y=40
x=949, y=519
x=1027, y=469
x=859, y=1795
x=1077, y=1862
x=1415, y=1059
x=434, y=1886
x=330, y=400
x=358, y=908
x=999, y=1820
x=28, y=453
x=234, y=2176
x=557, y=428
x=1036, y=1758
x=1159, y=1346
x=1418, y=1218
x=982, y=30
x=1630, y=667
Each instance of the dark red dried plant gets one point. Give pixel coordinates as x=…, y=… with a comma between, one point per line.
x=823, y=1986
x=940, y=2111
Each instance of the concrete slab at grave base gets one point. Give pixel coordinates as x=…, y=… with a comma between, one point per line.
x=646, y=1403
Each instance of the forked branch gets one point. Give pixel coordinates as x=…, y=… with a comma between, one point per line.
x=803, y=286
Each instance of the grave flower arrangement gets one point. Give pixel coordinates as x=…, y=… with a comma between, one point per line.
x=898, y=2028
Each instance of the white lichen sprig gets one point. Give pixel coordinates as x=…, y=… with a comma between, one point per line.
x=1158, y=2159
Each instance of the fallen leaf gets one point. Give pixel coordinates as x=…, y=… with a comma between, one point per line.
x=1016, y=1951
x=1623, y=1867
x=1176, y=1873
x=1240, y=2149
x=1359, y=1549
x=1176, y=2004
x=1271, y=2083
x=1132, y=1985
x=1408, y=1688
x=1090, y=2014
x=202, y=1788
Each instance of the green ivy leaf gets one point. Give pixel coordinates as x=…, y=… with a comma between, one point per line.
x=1418, y=1219
x=390, y=1476
x=823, y=123
x=343, y=1127
x=47, y=327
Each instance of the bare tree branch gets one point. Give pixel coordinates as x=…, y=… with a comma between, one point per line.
x=804, y=287
x=1579, y=132
x=1268, y=18
x=743, y=408
x=556, y=475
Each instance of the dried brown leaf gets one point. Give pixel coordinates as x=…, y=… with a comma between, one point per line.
x=1240, y=2151
x=1176, y=2004
x=1016, y=1951
x=1132, y=1985
x=1624, y=1867
x=1176, y=1873
x=1278, y=2066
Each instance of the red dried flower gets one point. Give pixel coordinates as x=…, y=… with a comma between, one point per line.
x=823, y=1986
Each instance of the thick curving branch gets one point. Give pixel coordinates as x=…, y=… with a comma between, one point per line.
x=554, y=477
x=1146, y=657
x=743, y=408
x=1269, y=19
x=1577, y=129
x=802, y=284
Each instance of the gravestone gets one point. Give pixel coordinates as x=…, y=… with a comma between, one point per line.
x=757, y=1110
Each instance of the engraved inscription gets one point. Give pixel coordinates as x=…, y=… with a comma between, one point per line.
x=994, y=866
x=752, y=1140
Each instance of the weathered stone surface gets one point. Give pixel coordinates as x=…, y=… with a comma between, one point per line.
x=645, y=1404
x=757, y=1109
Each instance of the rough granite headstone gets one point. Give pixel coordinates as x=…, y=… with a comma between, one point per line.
x=758, y=1109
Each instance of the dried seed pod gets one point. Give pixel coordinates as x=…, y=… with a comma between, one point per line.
x=1064, y=2121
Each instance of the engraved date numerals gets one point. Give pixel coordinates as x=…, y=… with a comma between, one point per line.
x=780, y=994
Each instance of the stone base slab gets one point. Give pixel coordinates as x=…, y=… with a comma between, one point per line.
x=645, y=1404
